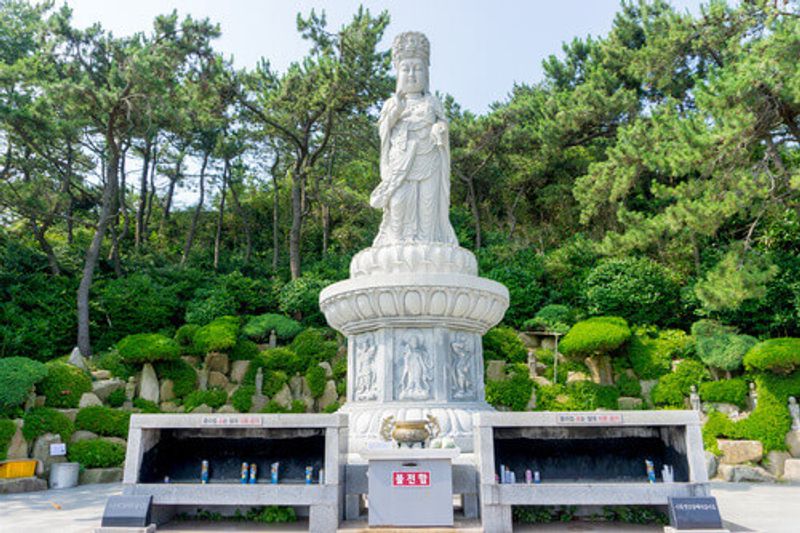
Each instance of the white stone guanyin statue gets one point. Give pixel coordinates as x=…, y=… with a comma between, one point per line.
x=414, y=192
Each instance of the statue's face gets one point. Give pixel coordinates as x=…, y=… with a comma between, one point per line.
x=412, y=76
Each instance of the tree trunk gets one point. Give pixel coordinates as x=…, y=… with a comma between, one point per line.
x=275, y=218
x=601, y=369
x=476, y=214
x=245, y=223
x=39, y=234
x=171, y=192
x=92, y=254
x=193, y=228
x=142, y=194
x=151, y=195
x=298, y=177
x=221, y=215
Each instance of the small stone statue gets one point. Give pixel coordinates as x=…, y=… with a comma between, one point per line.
x=273, y=339
x=259, y=381
x=794, y=410
x=694, y=399
x=753, y=396
x=532, y=362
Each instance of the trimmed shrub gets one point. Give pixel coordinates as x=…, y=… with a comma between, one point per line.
x=628, y=386
x=726, y=391
x=513, y=393
x=312, y=347
x=147, y=348
x=112, y=361
x=554, y=318
x=779, y=356
x=244, y=350
x=651, y=351
x=315, y=377
x=96, y=453
x=242, y=398
x=637, y=289
x=502, y=343
x=340, y=369
x=332, y=408
x=588, y=396
x=274, y=407
x=671, y=389
x=258, y=328
x=116, y=398
x=64, y=385
x=17, y=376
x=41, y=420
x=213, y=398
x=7, y=430
x=104, y=421
x=282, y=359
x=182, y=374
x=185, y=339
x=719, y=346
x=217, y=336
x=595, y=336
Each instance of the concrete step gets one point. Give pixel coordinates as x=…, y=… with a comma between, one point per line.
x=460, y=526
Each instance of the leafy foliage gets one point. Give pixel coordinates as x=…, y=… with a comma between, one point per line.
x=7, y=430
x=300, y=298
x=183, y=376
x=17, y=376
x=259, y=327
x=502, y=343
x=242, y=398
x=513, y=393
x=103, y=421
x=96, y=453
x=719, y=346
x=312, y=347
x=651, y=352
x=725, y=391
x=672, y=389
x=213, y=398
x=780, y=356
x=220, y=335
x=41, y=420
x=554, y=317
x=64, y=385
x=597, y=335
x=315, y=377
x=244, y=350
x=147, y=348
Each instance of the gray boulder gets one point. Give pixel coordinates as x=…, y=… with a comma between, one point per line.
x=148, y=388
x=88, y=399
x=711, y=464
x=736, y=452
x=92, y=476
x=793, y=442
x=104, y=387
x=737, y=473
x=167, y=390
x=18, y=447
x=629, y=403
x=41, y=452
x=284, y=396
x=238, y=370
x=76, y=359
x=82, y=435
x=496, y=370
x=775, y=462
x=218, y=362
x=326, y=366
x=329, y=396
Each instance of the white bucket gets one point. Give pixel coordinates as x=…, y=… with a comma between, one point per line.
x=64, y=475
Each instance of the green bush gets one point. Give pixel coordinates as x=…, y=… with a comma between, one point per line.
x=112, y=361
x=315, y=377
x=147, y=348
x=220, y=335
x=312, y=347
x=242, y=398
x=522, y=272
x=214, y=398
x=116, y=398
x=596, y=336
x=719, y=346
x=258, y=328
x=146, y=406
x=274, y=407
x=628, y=386
x=272, y=514
x=637, y=289
x=7, y=430
x=96, y=453
x=717, y=424
x=340, y=369
x=502, y=343
x=282, y=359
x=726, y=391
x=671, y=389
x=104, y=421
x=244, y=350
x=135, y=303
x=588, y=396
x=185, y=339
x=513, y=393
x=779, y=356
x=41, y=420
x=651, y=351
x=332, y=408
x=209, y=304
x=64, y=385
x=182, y=374
x=554, y=318
x=17, y=376
x=300, y=298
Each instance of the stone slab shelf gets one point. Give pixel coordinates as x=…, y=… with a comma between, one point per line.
x=295, y=440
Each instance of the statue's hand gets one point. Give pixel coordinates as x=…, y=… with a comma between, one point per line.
x=439, y=133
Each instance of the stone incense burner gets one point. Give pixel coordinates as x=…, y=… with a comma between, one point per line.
x=410, y=432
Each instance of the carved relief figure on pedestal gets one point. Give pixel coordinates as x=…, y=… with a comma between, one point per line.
x=416, y=370
x=414, y=192
x=462, y=384
x=366, y=376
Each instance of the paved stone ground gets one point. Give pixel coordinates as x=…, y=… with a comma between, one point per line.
x=746, y=507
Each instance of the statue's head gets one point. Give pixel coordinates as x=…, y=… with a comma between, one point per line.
x=411, y=57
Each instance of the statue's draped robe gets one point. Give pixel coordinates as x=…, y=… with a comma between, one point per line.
x=414, y=192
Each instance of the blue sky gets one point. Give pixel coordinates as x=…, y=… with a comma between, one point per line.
x=479, y=49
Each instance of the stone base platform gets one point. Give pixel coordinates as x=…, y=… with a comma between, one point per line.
x=22, y=484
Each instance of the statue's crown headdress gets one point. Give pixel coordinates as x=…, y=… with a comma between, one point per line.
x=411, y=44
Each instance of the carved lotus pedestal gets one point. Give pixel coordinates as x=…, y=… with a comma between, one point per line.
x=414, y=315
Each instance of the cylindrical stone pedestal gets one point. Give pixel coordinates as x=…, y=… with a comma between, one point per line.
x=414, y=315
